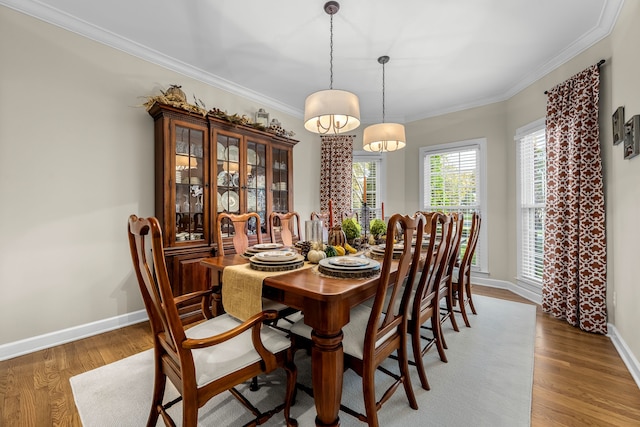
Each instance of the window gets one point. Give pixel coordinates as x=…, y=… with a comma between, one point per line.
x=452, y=178
x=370, y=166
x=531, y=185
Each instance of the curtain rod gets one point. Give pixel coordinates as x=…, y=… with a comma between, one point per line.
x=602, y=61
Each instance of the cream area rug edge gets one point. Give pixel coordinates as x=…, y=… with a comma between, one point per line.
x=487, y=382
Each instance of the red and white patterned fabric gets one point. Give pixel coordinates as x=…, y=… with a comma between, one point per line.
x=335, y=174
x=574, y=278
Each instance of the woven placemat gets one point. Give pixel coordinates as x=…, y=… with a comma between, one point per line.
x=272, y=268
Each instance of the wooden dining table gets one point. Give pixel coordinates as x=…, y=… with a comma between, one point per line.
x=326, y=302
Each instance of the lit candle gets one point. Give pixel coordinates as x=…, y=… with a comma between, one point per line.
x=382, y=210
x=364, y=191
x=330, y=214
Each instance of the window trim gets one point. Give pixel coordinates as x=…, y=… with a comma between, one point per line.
x=522, y=132
x=481, y=143
x=366, y=156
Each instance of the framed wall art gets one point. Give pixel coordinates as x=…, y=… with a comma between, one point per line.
x=618, y=125
x=632, y=137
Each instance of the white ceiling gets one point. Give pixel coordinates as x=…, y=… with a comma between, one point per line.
x=445, y=55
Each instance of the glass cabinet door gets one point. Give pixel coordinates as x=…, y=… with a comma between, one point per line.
x=279, y=186
x=189, y=167
x=256, y=186
x=228, y=170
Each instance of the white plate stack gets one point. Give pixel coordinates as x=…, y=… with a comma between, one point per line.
x=276, y=260
x=349, y=266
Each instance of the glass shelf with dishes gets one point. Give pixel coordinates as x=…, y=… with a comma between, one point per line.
x=189, y=166
x=228, y=173
x=280, y=180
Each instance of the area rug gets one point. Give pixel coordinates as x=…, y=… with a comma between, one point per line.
x=487, y=382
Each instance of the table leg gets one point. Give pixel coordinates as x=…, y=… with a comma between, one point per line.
x=327, y=359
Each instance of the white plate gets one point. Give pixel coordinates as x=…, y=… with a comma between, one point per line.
x=235, y=179
x=398, y=247
x=251, y=201
x=370, y=264
x=263, y=246
x=221, y=154
x=297, y=259
x=252, y=157
x=220, y=208
x=348, y=261
x=231, y=201
x=223, y=178
x=232, y=153
x=276, y=256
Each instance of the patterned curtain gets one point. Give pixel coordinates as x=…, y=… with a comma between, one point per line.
x=335, y=174
x=574, y=278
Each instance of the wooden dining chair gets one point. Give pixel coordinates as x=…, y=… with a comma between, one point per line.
x=374, y=333
x=288, y=225
x=461, y=278
x=240, y=244
x=209, y=358
x=445, y=289
x=240, y=223
x=424, y=310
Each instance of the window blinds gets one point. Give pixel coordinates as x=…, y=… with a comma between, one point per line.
x=532, y=204
x=452, y=185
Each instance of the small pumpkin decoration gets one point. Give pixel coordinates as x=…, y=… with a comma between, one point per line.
x=315, y=256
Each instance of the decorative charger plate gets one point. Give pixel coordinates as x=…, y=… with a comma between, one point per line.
x=223, y=178
x=252, y=157
x=252, y=205
x=232, y=153
x=221, y=155
x=231, y=201
x=368, y=270
x=276, y=256
x=257, y=264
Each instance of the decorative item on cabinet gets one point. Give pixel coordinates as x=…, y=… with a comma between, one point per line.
x=262, y=118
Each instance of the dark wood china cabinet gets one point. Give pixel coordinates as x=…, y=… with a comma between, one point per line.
x=205, y=165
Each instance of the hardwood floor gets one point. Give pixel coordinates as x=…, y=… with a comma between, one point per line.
x=579, y=379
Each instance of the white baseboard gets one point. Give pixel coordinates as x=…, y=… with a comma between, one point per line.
x=503, y=284
x=625, y=353
x=29, y=345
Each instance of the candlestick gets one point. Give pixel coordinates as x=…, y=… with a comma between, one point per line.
x=382, y=211
x=364, y=191
x=330, y=214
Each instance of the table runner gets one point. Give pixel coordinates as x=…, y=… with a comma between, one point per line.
x=242, y=289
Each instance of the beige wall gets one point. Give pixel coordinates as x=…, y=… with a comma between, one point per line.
x=498, y=123
x=483, y=122
x=76, y=160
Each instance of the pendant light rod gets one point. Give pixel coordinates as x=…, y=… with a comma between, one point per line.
x=383, y=60
x=331, y=7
